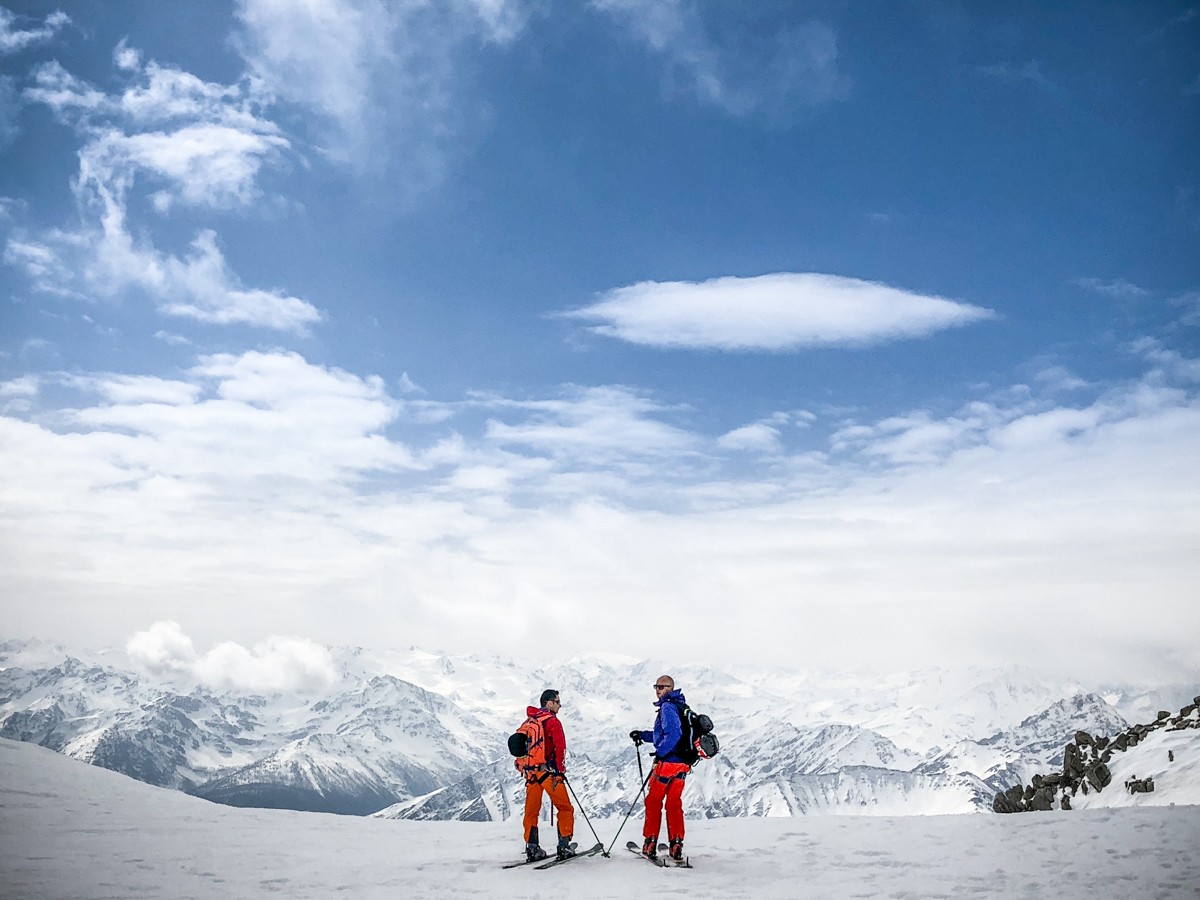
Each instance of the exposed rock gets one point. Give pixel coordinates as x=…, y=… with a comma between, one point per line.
x=1043, y=799
x=1139, y=785
x=1099, y=777
x=1085, y=765
x=1004, y=804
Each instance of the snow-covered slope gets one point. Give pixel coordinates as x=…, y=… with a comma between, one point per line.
x=69, y=830
x=1168, y=757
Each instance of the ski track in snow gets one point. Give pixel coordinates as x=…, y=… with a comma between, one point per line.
x=70, y=830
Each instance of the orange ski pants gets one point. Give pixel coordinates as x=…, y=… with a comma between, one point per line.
x=666, y=784
x=556, y=789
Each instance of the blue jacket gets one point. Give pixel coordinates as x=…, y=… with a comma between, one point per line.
x=668, y=728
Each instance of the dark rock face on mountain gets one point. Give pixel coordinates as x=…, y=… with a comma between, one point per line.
x=1085, y=765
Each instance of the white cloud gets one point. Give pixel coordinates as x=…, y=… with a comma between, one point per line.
x=260, y=489
x=1170, y=364
x=1189, y=302
x=69, y=97
x=202, y=164
x=383, y=78
x=1059, y=378
x=741, y=70
x=202, y=287
x=277, y=664
x=1119, y=288
x=759, y=437
x=186, y=141
x=162, y=648
x=201, y=143
x=783, y=311
x=10, y=108
x=254, y=415
x=917, y=437
x=13, y=39
x=1029, y=72
x=176, y=340
x=590, y=423
x=42, y=264
x=25, y=386
x=137, y=388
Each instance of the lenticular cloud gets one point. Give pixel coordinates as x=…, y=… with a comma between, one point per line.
x=783, y=311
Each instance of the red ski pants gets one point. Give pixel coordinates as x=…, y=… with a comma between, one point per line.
x=556, y=790
x=666, y=784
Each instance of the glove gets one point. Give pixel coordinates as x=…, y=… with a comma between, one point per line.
x=635, y=736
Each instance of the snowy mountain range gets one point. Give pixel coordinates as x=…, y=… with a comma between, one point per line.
x=417, y=735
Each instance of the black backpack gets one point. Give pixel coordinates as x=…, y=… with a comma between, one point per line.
x=697, y=742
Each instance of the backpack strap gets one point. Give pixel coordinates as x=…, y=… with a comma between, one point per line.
x=685, y=729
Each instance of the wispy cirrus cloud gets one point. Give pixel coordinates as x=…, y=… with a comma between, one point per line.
x=10, y=107
x=13, y=38
x=384, y=80
x=592, y=423
x=173, y=139
x=1028, y=73
x=1117, y=288
x=193, y=141
x=774, y=72
x=782, y=311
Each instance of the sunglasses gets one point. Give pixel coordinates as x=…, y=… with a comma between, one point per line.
x=662, y=687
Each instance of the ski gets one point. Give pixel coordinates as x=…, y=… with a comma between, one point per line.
x=530, y=862
x=684, y=863
x=632, y=847
x=524, y=862
x=554, y=861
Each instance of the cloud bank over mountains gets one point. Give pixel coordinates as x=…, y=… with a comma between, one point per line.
x=263, y=475
x=276, y=664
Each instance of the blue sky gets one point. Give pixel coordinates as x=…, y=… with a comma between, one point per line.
x=825, y=333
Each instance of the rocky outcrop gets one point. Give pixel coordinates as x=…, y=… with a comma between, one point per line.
x=1139, y=785
x=1085, y=766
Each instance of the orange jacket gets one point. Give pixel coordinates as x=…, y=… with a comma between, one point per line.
x=556, y=739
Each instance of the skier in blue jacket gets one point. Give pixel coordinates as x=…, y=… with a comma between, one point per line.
x=666, y=780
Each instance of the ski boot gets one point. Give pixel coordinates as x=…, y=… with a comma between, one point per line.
x=650, y=847
x=533, y=850
x=564, y=847
x=677, y=849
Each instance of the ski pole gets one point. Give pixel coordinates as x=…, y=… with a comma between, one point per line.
x=584, y=811
x=628, y=814
x=641, y=775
